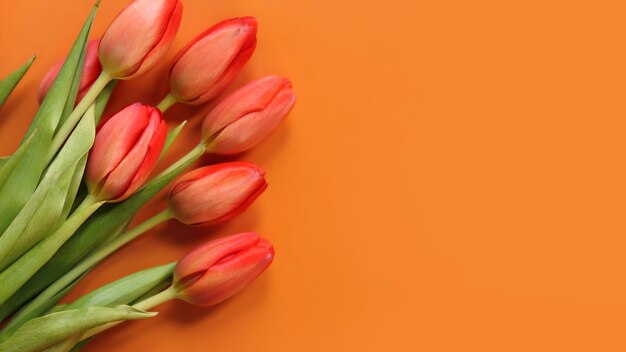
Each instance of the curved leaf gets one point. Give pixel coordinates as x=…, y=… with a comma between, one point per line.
x=46, y=331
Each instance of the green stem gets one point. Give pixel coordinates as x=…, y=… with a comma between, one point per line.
x=158, y=299
x=66, y=129
x=167, y=102
x=88, y=201
x=149, y=303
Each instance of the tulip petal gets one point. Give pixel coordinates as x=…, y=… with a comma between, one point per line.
x=213, y=194
x=204, y=67
x=202, y=258
x=126, y=150
x=252, y=128
x=138, y=36
x=222, y=278
x=115, y=139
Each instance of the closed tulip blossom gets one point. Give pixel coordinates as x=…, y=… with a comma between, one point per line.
x=248, y=115
x=91, y=71
x=204, y=67
x=219, y=269
x=139, y=36
x=125, y=151
x=216, y=193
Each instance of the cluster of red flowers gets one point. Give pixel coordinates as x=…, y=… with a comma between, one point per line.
x=129, y=144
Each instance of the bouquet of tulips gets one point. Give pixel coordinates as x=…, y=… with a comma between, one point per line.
x=70, y=190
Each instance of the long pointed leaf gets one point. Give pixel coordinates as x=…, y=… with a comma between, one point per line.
x=171, y=138
x=10, y=162
x=126, y=290
x=51, y=329
x=9, y=83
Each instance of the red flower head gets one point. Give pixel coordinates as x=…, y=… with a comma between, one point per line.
x=248, y=115
x=212, y=60
x=125, y=151
x=139, y=36
x=221, y=268
x=214, y=194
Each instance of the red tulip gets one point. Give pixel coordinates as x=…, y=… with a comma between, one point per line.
x=221, y=268
x=91, y=71
x=248, y=115
x=214, y=194
x=125, y=151
x=203, y=68
x=139, y=36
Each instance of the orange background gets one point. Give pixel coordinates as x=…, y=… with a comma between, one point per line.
x=451, y=178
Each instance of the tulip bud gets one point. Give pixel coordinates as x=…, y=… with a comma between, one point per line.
x=125, y=151
x=204, y=67
x=248, y=115
x=216, y=193
x=221, y=268
x=139, y=36
x=91, y=71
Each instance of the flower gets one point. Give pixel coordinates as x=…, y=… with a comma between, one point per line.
x=248, y=115
x=139, y=36
x=216, y=193
x=204, y=67
x=125, y=151
x=91, y=71
x=219, y=269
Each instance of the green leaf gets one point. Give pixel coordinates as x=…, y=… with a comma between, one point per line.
x=26, y=266
x=171, y=138
x=11, y=161
x=33, y=222
x=65, y=345
x=126, y=290
x=54, y=196
x=9, y=83
x=3, y=160
x=74, y=186
x=30, y=312
x=93, y=232
x=51, y=329
x=20, y=184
